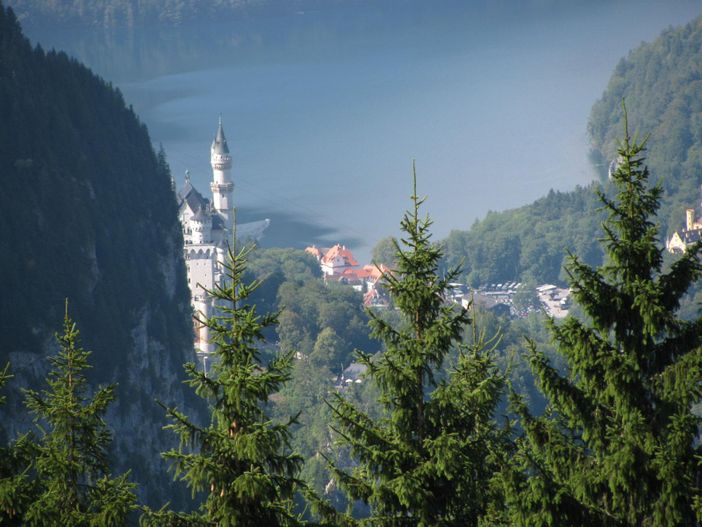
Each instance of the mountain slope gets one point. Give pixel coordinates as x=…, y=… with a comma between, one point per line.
x=661, y=82
x=87, y=213
x=662, y=85
x=128, y=13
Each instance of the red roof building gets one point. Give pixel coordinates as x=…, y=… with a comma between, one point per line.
x=336, y=260
x=338, y=264
x=315, y=251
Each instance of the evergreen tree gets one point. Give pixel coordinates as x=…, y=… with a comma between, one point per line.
x=427, y=461
x=71, y=461
x=241, y=459
x=16, y=488
x=618, y=443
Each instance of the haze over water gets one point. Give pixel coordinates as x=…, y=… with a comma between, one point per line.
x=324, y=110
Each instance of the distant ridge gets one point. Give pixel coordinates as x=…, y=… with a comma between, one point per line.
x=127, y=13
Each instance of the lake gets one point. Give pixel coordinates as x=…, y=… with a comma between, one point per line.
x=325, y=109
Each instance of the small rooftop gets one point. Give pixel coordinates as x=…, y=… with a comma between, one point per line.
x=342, y=252
x=189, y=196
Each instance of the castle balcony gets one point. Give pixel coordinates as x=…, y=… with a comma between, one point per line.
x=222, y=187
x=221, y=162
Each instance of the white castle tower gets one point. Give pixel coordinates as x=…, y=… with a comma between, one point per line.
x=208, y=227
x=222, y=186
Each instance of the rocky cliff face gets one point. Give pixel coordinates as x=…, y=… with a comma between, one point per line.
x=87, y=213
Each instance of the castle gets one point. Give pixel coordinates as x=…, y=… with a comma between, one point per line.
x=208, y=229
x=682, y=239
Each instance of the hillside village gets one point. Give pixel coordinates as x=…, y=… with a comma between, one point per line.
x=338, y=264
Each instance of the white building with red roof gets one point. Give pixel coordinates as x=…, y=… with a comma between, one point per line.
x=337, y=260
x=338, y=264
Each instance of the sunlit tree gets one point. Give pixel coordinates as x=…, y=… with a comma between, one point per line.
x=17, y=489
x=618, y=444
x=240, y=460
x=429, y=458
x=70, y=458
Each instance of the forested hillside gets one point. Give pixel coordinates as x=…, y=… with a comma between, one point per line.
x=529, y=243
x=124, y=13
x=87, y=213
x=662, y=85
x=324, y=325
x=130, y=13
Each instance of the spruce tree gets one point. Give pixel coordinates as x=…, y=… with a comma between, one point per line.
x=70, y=465
x=428, y=460
x=16, y=488
x=618, y=443
x=241, y=458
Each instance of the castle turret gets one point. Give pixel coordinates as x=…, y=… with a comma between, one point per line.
x=222, y=186
x=690, y=217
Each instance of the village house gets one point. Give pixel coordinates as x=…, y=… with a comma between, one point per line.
x=338, y=264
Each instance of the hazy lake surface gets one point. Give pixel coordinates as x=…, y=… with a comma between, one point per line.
x=325, y=109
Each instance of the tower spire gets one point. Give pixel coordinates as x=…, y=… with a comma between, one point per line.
x=219, y=145
x=222, y=185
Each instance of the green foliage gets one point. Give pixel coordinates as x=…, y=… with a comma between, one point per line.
x=427, y=460
x=384, y=252
x=274, y=267
x=84, y=206
x=312, y=313
x=617, y=444
x=16, y=488
x=70, y=464
x=323, y=324
x=315, y=312
x=241, y=458
x=304, y=395
x=528, y=243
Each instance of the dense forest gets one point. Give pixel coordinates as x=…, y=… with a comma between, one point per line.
x=528, y=244
x=132, y=13
x=125, y=13
x=87, y=213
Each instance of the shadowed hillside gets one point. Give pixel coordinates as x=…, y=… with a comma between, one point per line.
x=87, y=213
